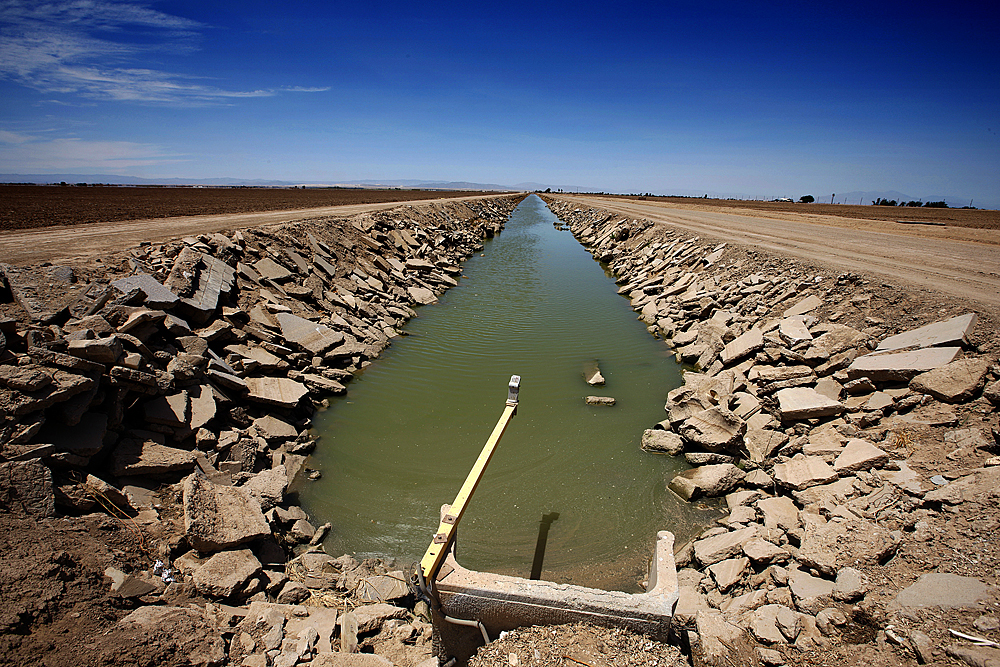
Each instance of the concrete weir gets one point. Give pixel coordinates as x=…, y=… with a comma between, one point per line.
x=497, y=602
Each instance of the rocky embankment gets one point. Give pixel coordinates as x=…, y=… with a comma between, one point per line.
x=172, y=389
x=850, y=425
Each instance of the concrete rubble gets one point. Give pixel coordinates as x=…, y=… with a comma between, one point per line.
x=179, y=386
x=810, y=410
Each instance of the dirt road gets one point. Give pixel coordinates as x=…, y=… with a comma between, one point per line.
x=82, y=242
x=960, y=262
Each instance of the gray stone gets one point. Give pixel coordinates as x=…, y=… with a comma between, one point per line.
x=939, y=589
x=383, y=588
x=811, y=594
x=268, y=269
x=831, y=546
x=219, y=517
x=838, y=338
x=806, y=403
x=170, y=410
x=309, y=336
x=711, y=481
x=272, y=428
x=794, y=330
x=729, y=572
x=711, y=550
x=659, y=440
x=26, y=488
x=421, y=295
x=157, y=296
x=226, y=572
x=743, y=345
x=268, y=487
x=956, y=382
x=24, y=378
x=715, y=429
x=764, y=552
x=807, y=304
x=951, y=332
x=969, y=487
x=292, y=593
x=851, y=585
x=147, y=457
x=764, y=626
x=859, y=455
x=719, y=641
x=689, y=603
x=800, y=472
x=371, y=617
x=281, y=392
x=599, y=400
x=761, y=443
x=102, y=350
x=901, y=366
x=779, y=512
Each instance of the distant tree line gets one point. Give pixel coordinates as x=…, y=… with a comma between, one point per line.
x=892, y=202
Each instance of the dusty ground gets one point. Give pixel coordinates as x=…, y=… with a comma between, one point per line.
x=54, y=600
x=963, y=262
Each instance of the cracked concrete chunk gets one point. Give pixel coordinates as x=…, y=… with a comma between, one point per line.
x=715, y=429
x=710, y=480
x=281, y=392
x=800, y=472
x=226, y=572
x=267, y=268
x=831, y=546
x=811, y=594
x=659, y=440
x=157, y=296
x=956, y=382
x=711, y=550
x=102, y=350
x=806, y=403
x=901, y=366
x=951, y=332
x=309, y=336
x=744, y=345
x=147, y=457
x=220, y=517
x=859, y=455
x=939, y=589
x=811, y=302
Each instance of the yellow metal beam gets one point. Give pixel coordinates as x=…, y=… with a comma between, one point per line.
x=435, y=553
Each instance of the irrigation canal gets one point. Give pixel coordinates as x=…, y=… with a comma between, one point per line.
x=401, y=442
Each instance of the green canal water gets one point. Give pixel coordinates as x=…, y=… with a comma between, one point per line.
x=401, y=442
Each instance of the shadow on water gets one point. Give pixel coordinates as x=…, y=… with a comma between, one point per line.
x=401, y=442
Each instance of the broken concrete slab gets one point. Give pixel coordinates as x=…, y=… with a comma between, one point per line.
x=743, y=346
x=220, y=517
x=794, y=330
x=941, y=589
x=421, y=295
x=659, y=440
x=309, y=336
x=828, y=547
x=711, y=550
x=806, y=403
x=838, y=338
x=268, y=269
x=147, y=457
x=952, y=332
x=34, y=290
x=274, y=429
x=170, y=410
x=102, y=350
x=157, y=295
x=859, y=455
x=811, y=302
x=956, y=382
x=811, y=594
x=715, y=429
x=800, y=472
x=901, y=366
x=25, y=378
x=599, y=400
x=226, y=572
x=708, y=480
x=281, y=392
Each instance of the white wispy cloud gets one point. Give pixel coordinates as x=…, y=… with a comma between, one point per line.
x=25, y=153
x=95, y=48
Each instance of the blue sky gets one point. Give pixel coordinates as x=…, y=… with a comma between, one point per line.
x=764, y=99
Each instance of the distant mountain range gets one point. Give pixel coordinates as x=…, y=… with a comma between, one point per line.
x=854, y=197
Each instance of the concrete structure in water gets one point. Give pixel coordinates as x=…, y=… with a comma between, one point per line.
x=495, y=603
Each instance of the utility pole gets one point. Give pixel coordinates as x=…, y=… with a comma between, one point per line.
x=832, y=196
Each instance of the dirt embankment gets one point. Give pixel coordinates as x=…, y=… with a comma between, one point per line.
x=864, y=505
